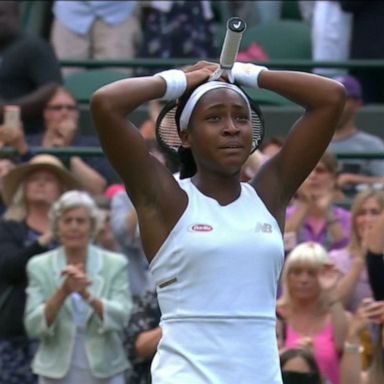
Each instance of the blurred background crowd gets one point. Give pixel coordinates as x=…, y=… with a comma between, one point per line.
x=60, y=199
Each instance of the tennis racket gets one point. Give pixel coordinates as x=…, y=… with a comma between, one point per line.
x=230, y=49
x=166, y=128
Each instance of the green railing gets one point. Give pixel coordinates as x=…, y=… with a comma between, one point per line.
x=176, y=62
x=97, y=152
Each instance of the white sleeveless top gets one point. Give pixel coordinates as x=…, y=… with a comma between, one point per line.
x=216, y=277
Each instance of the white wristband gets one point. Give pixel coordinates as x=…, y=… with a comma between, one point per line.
x=247, y=74
x=176, y=82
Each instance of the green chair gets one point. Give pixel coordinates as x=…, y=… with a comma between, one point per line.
x=291, y=10
x=282, y=39
x=83, y=84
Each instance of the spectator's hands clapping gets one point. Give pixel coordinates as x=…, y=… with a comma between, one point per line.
x=75, y=279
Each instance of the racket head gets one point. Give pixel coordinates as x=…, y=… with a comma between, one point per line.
x=167, y=131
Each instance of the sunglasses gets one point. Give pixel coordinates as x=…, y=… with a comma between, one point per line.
x=59, y=107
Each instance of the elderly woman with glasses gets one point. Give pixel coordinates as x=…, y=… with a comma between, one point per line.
x=78, y=301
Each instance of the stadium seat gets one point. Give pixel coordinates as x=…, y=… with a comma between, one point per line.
x=283, y=39
x=83, y=84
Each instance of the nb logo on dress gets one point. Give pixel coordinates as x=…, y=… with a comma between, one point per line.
x=263, y=227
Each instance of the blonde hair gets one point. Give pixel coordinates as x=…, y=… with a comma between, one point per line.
x=308, y=253
x=354, y=238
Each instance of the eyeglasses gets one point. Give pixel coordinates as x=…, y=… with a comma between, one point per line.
x=59, y=107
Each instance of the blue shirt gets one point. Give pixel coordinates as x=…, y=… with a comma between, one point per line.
x=78, y=16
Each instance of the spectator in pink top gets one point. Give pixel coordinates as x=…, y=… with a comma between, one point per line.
x=315, y=317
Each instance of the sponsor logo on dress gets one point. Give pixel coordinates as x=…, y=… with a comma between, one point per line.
x=200, y=228
x=263, y=227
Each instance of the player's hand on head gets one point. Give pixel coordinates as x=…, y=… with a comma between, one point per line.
x=199, y=73
x=200, y=65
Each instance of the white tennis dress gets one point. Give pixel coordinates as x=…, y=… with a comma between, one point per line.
x=216, y=276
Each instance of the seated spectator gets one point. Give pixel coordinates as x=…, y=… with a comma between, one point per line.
x=95, y=30
x=29, y=70
x=314, y=315
x=142, y=336
x=314, y=215
x=61, y=130
x=354, y=285
x=369, y=314
x=78, y=301
x=349, y=138
x=29, y=190
x=298, y=366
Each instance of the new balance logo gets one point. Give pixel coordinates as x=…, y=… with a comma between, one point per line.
x=263, y=227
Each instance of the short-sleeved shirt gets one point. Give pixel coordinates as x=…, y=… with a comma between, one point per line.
x=358, y=143
x=26, y=64
x=306, y=233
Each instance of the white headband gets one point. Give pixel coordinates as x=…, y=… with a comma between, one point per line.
x=201, y=91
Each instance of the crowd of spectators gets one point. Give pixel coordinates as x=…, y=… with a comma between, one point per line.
x=333, y=282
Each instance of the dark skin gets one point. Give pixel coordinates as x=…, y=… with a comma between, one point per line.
x=35, y=101
x=218, y=119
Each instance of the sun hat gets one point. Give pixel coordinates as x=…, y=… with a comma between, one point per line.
x=13, y=178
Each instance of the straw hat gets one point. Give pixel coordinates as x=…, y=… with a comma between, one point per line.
x=13, y=178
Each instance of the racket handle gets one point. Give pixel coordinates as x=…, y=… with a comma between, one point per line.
x=235, y=28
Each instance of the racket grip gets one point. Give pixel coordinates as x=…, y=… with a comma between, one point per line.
x=235, y=28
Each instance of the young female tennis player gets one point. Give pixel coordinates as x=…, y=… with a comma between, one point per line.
x=215, y=244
